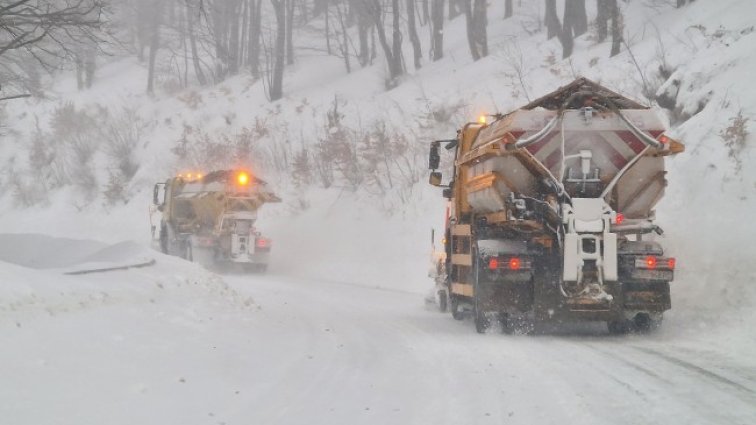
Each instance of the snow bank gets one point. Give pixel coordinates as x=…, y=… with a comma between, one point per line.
x=33, y=280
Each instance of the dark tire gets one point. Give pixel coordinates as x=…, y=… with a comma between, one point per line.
x=164, y=239
x=507, y=324
x=618, y=327
x=456, y=313
x=481, y=322
x=443, y=303
x=187, y=251
x=479, y=315
x=644, y=323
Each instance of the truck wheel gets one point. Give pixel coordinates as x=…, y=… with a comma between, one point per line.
x=481, y=321
x=164, y=239
x=186, y=251
x=442, y=301
x=455, y=311
x=618, y=327
x=645, y=323
x=507, y=324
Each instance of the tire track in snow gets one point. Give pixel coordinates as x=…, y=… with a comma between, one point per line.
x=698, y=369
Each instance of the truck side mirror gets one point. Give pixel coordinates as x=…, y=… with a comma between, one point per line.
x=434, y=159
x=156, y=195
x=435, y=178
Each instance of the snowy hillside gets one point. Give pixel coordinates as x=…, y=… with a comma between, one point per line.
x=704, y=48
x=194, y=347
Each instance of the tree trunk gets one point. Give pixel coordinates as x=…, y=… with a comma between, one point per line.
x=363, y=28
x=90, y=66
x=454, y=8
x=393, y=55
x=425, y=17
x=412, y=30
x=602, y=19
x=154, y=46
x=471, y=33
x=480, y=22
x=193, y=44
x=437, y=29
x=508, y=9
x=553, y=27
x=289, y=32
x=318, y=7
x=232, y=18
x=279, y=51
x=345, y=36
x=255, y=29
x=616, y=27
x=397, y=38
x=328, y=30
x=579, y=16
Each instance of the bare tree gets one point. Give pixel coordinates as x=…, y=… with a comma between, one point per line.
x=412, y=30
x=437, y=29
x=275, y=83
x=47, y=32
x=616, y=27
x=290, y=32
x=253, y=44
x=507, y=9
x=393, y=51
x=553, y=27
x=575, y=17
x=155, y=21
x=602, y=19
x=476, y=20
x=364, y=26
x=454, y=8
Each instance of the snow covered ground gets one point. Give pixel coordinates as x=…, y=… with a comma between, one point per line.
x=339, y=332
x=174, y=344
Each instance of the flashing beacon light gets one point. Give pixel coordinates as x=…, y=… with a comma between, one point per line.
x=482, y=119
x=242, y=178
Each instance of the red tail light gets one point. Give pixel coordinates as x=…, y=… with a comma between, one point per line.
x=663, y=139
x=493, y=263
x=514, y=263
x=262, y=243
x=652, y=262
x=619, y=218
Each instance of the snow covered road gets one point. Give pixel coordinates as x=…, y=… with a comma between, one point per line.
x=318, y=352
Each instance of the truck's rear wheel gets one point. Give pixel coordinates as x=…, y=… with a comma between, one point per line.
x=164, y=239
x=442, y=301
x=479, y=315
x=457, y=314
x=187, y=251
x=507, y=323
x=644, y=322
x=618, y=327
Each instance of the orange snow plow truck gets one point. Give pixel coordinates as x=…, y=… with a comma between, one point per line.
x=211, y=218
x=551, y=216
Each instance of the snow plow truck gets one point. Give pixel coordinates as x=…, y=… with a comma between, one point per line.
x=211, y=218
x=551, y=214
